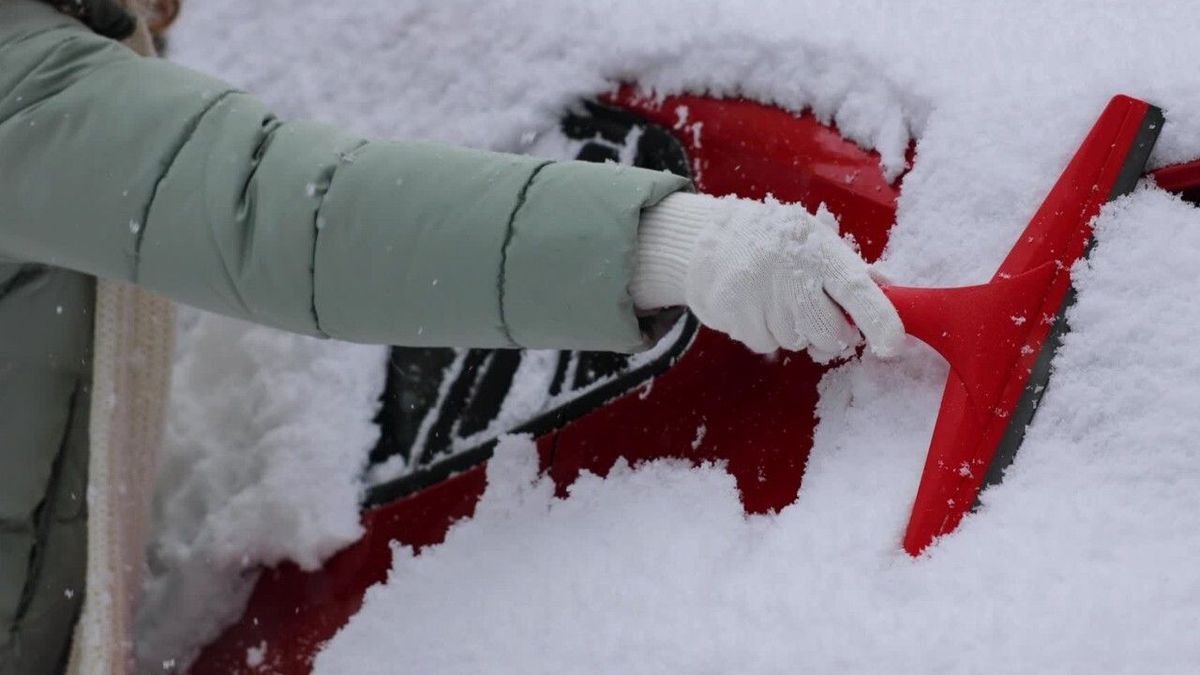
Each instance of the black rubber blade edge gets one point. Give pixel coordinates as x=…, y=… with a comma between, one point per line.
x=1131, y=171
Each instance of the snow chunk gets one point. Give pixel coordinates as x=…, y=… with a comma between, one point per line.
x=257, y=655
x=267, y=435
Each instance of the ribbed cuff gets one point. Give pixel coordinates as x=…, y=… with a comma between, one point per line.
x=666, y=242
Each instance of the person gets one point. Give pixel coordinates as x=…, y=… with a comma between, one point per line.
x=124, y=175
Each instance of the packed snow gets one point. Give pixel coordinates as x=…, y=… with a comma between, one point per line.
x=1083, y=560
x=267, y=437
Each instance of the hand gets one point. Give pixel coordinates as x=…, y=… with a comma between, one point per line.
x=770, y=275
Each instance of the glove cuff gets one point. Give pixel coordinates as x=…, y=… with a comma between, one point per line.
x=666, y=243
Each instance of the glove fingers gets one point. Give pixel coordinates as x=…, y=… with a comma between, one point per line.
x=851, y=287
x=824, y=324
x=819, y=356
x=755, y=334
x=878, y=277
x=787, y=330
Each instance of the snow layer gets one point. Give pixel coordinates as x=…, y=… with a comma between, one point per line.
x=1082, y=561
x=656, y=570
x=266, y=440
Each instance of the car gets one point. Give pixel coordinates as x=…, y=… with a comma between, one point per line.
x=696, y=396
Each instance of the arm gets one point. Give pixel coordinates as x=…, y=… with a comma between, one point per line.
x=139, y=170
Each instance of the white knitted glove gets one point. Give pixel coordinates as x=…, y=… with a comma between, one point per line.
x=768, y=274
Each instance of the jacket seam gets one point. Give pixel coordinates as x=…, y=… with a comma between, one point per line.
x=343, y=158
x=185, y=139
x=509, y=231
x=268, y=127
x=43, y=517
x=27, y=274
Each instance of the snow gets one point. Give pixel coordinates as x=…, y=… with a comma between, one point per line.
x=1083, y=560
x=266, y=439
x=256, y=656
x=657, y=571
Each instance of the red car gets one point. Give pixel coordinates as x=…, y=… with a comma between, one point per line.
x=697, y=396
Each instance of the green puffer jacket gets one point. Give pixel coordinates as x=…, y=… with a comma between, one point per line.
x=126, y=168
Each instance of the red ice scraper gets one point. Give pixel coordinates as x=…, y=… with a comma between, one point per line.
x=1000, y=337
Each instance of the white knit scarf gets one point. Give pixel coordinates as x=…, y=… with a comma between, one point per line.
x=131, y=372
